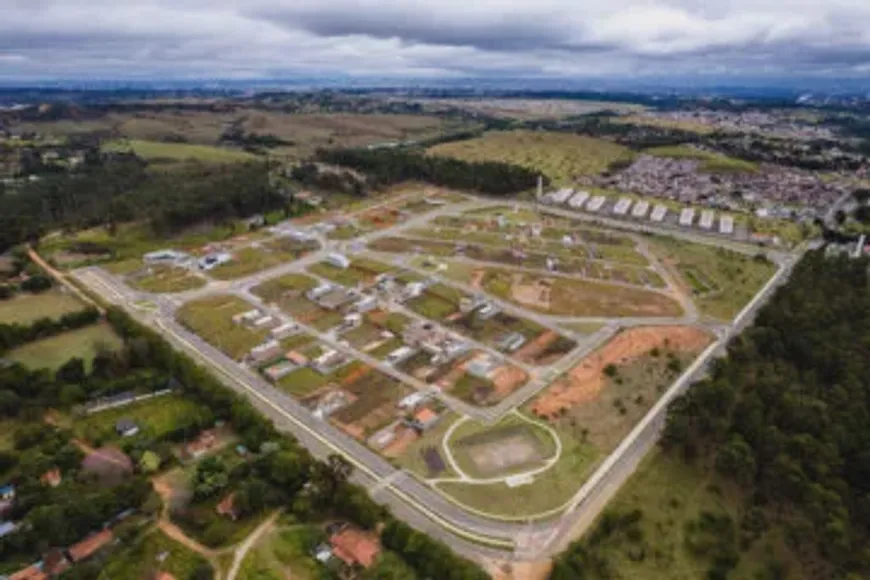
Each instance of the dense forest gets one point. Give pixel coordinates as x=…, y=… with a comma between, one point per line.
x=120, y=187
x=786, y=417
x=388, y=166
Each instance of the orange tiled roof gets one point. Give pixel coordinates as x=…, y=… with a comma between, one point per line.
x=30, y=573
x=353, y=546
x=51, y=477
x=90, y=545
x=425, y=415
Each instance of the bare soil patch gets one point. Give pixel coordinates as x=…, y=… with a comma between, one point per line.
x=501, y=450
x=534, y=293
x=584, y=382
x=532, y=350
x=404, y=437
x=506, y=379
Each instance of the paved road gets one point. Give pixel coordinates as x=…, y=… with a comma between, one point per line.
x=472, y=534
x=428, y=511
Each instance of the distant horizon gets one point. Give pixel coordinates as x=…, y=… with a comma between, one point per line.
x=789, y=86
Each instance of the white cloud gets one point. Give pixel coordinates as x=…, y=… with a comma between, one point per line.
x=214, y=38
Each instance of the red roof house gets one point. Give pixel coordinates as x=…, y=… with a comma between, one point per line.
x=353, y=546
x=33, y=572
x=227, y=507
x=90, y=545
x=52, y=477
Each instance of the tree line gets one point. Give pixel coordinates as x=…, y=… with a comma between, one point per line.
x=786, y=414
x=14, y=335
x=786, y=417
x=384, y=167
x=114, y=188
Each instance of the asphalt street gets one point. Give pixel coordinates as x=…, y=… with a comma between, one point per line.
x=473, y=534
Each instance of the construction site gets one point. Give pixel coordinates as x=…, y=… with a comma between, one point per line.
x=498, y=354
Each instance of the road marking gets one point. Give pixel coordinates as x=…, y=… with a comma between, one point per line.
x=389, y=480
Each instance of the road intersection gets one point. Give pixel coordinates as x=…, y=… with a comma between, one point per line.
x=471, y=532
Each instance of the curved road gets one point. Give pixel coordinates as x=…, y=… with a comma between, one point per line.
x=473, y=534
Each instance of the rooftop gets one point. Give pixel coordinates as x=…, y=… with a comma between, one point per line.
x=90, y=545
x=353, y=546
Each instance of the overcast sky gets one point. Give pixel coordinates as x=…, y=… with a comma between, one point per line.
x=436, y=38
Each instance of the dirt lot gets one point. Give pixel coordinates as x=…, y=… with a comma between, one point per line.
x=506, y=379
x=585, y=381
x=532, y=349
x=375, y=397
x=502, y=450
x=405, y=436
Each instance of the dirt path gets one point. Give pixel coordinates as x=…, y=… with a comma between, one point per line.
x=87, y=449
x=179, y=536
x=249, y=542
x=164, y=489
x=61, y=278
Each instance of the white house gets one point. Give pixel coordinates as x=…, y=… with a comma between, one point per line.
x=214, y=260
x=338, y=260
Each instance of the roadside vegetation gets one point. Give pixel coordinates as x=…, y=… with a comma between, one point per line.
x=757, y=470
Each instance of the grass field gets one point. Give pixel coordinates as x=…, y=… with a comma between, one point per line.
x=309, y=131
x=710, y=162
x=587, y=261
x=247, y=261
x=721, y=282
x=360, y=271
x=437, y=302
x=302, y=382
x=164, y=279
x=285, y=553
x=671, y=496
x=651, y=121
x=211, y=318
x=156, y=151
x=131, y=240
x=569, y=297
x=151, y=553
x=560, y=156
x=24, y=308
x=548, y=491
x=155, y=417
x=52, y=353
x=470, y=438
x=273, y=289
x=305, y=129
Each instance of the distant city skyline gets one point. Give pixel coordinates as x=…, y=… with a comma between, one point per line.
x=778, y=40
